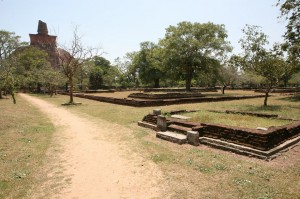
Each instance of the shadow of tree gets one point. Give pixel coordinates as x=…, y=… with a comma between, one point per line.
x=270, y=108
x=295, y=98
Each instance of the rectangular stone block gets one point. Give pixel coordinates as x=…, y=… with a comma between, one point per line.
x=193, y=138
x=157, y=111
x=161, y=123
x=172, y=137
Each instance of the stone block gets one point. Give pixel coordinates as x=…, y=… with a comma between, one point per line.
x=157, y=111
x=180, y=117
x=161, y=123
x=193, y=138
x=172, y=137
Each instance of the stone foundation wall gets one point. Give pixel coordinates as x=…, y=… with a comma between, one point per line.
x=164, y=95
x=280, y=90
x=159, y=102
x=180, y=89
x=257, y=139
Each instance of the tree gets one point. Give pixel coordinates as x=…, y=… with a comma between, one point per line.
x=148, y=62
x=102, y=73
x=72, y=58
x=9, y=42
x=290, y=9
x=191, y=47
x=263, y=62
x=32, y=63
x=95, y=77
x=128, y=72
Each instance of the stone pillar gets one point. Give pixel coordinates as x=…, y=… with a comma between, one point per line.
x=193, y=138
x=161, y=123
x=157, y=111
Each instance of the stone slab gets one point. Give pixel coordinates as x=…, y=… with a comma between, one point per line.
x=193, y=138
x=180, y=117
x=147, y=125
x=157, y=111
x=172, y=137
x=243, y=150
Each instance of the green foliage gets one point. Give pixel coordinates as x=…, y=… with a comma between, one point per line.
x=190, y=48
x=128, y=72
x=102, y=73
x=9, y=42
x=290, y=9
x=266, y=63
x=95, y=77
x=148, y=62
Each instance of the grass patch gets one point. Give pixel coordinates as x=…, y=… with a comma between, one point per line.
x=234, y=119
x=200, y=172
x=25, y=135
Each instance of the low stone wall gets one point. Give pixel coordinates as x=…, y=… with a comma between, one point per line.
x=263, y=140
x=180, y=90
x=99, y=91
x=159, y=102
x=164, y=95
x=257, y=139
x=280, y=90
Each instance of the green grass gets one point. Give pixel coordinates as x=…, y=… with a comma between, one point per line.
x=25, y=135
x=201, y=172
x=234, y=119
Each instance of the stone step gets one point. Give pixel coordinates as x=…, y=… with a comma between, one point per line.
x=150, y=121
x=180, y=129
x=147, y=125
x=172, y=137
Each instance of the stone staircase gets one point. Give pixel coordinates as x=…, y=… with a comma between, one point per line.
x=179, y=129
x=150, y=118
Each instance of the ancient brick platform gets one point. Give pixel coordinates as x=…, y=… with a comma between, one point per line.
x=263, y=144
x=160, y=102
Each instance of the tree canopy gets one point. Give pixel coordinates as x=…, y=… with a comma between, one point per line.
x=148, y=62
x=263, y=62
x=190, y=47
x=9, y=42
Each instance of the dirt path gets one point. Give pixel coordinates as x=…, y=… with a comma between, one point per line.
x=91, y=162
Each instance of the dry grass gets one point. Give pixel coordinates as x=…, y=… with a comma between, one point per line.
x=235, y=119
x=202, y=172
x=25, y=135
x=125, y=94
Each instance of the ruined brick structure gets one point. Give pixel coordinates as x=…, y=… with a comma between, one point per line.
x=46, y=42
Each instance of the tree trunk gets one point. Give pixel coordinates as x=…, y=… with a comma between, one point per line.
x=285, y=81
x=1, y=93
x=13, y=96
x=266, y=99
x=267, y=95
x=51, y=90
x=156, y=83
x=188, y=81
x=223, y=89
x=38, y=88
x=71, y=90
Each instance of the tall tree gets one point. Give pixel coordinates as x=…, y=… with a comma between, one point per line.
x=190, y=47
x=72, y=58
x=148, y=61
x=290, y=9
x=266, y=63
x=128, y=72
x=9, y=42
x=32, y=63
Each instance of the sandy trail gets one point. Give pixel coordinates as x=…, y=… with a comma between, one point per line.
x=95, y=165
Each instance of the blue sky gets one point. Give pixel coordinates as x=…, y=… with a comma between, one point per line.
x=119, y=26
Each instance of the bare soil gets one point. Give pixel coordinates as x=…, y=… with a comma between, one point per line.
x=88, y=159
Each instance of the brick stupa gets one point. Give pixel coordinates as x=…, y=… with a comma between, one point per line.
x=45, y=42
